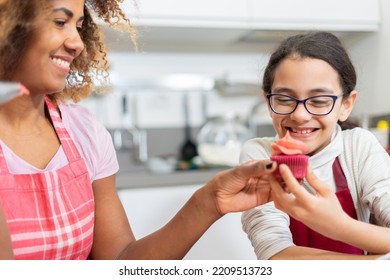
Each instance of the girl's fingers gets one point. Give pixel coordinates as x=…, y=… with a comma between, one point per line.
x=320, y=187
x=292, y=184
x=276, y=188
x=280, y=197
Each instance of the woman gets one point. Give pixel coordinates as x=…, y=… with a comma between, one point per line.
x=57, y=163
x=309, y=84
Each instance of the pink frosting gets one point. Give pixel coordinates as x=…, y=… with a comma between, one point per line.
x=288, y=146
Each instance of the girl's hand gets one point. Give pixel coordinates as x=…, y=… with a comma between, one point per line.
x=321, y=211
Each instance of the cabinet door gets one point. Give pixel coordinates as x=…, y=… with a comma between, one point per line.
x=148, y=209
x=188, y=13
x=346, y=15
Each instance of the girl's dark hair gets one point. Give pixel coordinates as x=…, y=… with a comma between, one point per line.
x=319, y=45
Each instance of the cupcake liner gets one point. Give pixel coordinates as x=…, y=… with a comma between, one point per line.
x=296, y=163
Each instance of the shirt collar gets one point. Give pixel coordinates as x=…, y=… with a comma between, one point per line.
x=330, y=152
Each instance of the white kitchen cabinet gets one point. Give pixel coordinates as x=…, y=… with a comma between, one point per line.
x=149, y=208
x=199, y=13
x=334, y=15
x=194, y=25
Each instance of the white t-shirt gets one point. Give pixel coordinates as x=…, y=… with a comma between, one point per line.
x=91, y=138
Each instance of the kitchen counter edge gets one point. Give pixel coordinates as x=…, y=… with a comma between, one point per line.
x=129, y=180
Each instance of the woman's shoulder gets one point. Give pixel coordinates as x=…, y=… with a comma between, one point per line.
x=84, y=128
x=76, y=112
x=80, y=120
x=91, y=138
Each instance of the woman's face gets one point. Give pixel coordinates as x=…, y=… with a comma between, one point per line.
x=303, y=78
x=55, y=44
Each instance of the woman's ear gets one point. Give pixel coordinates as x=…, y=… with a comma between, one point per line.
x=347, y=106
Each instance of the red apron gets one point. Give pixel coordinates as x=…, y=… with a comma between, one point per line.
x=50, y=214
x=304, y=236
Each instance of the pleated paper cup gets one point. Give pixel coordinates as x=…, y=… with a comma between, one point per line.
x=296, y=163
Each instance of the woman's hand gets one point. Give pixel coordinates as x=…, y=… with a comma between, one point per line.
x=243, y=187
x=321, y=211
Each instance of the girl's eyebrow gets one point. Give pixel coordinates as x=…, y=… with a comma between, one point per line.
x=312, y=91
x=282, y=89
x=68, y=12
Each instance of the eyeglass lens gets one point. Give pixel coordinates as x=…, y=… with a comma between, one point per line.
x=317, y=105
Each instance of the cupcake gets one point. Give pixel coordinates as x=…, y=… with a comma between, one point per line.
x=290, y=152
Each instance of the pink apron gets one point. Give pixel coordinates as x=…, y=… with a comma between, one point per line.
x=50, y=215
x=304, y=236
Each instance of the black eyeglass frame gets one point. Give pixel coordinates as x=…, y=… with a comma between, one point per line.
x=303, y=101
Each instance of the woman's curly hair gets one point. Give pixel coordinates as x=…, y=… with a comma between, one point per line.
x=17, y=19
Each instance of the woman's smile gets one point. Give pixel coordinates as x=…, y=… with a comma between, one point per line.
x=62, y=64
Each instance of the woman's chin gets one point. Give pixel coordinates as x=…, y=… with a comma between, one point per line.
x=55, y=90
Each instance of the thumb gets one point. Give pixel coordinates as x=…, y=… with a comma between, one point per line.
x=320, y=187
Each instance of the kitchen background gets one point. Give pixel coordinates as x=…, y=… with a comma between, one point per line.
x=197, y=76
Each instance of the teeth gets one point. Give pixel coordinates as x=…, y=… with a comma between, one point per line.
x=61, y=62
x=306, y=131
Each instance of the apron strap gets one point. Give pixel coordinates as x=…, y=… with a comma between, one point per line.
x=339, y=176
x=3, y=163
x=67, y=143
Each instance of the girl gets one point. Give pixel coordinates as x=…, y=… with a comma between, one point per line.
x=58, y=164
x=309, y=85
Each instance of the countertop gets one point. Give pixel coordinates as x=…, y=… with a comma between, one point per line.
x=132, y=175
x=145, y=178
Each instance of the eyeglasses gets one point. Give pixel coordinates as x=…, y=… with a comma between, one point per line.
x=320, y=105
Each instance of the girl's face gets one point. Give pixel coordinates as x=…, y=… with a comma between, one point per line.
x=303, y=78
x=55, y=44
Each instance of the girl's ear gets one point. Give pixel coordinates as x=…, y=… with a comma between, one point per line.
x=347, y=106
x=266, y=101
x=264, y=95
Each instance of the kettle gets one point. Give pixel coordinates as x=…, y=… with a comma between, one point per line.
x=220, y=140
